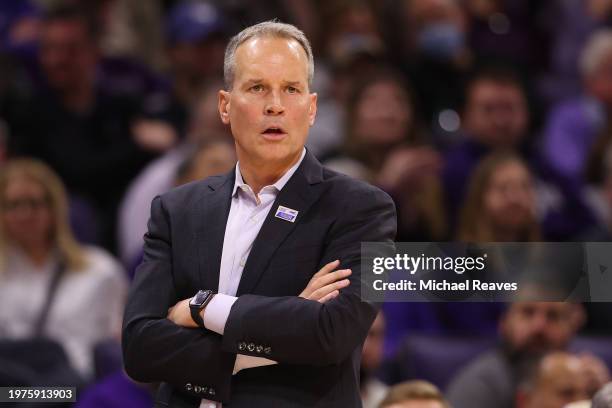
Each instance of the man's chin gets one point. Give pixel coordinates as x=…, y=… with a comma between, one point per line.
x=528, y=350
x=278, y=154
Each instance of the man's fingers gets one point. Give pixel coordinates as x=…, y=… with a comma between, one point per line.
x=327, y=289
x=323, y=277
x=329, y=296
x=331, y=277
x=327, y=268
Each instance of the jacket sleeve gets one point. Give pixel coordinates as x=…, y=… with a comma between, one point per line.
x=299, y=331
x=154, y=348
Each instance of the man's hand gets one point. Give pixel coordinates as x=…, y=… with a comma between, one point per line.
x=181, y=314
x=325, y=284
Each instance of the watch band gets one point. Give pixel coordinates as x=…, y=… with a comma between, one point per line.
x=197, y=317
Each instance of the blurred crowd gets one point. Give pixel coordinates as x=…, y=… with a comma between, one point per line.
x=485, y=120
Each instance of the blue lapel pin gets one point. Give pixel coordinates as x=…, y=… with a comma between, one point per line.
x=286, y=214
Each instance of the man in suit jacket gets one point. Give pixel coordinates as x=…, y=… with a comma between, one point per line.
x=256, y=236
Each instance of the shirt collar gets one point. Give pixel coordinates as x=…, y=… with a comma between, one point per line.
x=280, y=183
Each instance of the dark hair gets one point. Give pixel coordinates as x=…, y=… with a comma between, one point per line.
x=85, y=16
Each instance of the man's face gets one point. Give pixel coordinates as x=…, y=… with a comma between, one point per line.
x=26, y=214
x=560, y=381
x=68, y=55
x=269, y=107
x=496, y=114
x=536, y=327
x=509, y=200
x=383, y=115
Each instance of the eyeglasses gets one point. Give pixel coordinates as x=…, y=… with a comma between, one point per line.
x=32, y=204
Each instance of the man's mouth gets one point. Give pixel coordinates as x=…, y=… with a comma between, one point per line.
x=274, y=132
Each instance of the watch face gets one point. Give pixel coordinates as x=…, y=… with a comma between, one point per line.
x=199, y=298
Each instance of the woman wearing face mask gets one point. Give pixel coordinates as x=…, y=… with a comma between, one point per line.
x=500, y=203
x=437, y=57
x=51, y=286
x=384, y=146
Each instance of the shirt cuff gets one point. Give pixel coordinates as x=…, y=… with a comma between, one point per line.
x=217, y=311
x=243, y=362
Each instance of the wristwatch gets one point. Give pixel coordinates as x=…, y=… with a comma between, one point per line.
x=198, y=303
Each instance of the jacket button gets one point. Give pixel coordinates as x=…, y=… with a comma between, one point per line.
x=251, y=347
x=188, y=387
x=241, y=346
x=259, y=348
x=268, y=350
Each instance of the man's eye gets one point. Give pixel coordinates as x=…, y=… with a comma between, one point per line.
x=292, y=89
x=257, y=88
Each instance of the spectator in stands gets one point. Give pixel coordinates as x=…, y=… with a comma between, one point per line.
x=557, y=380
x=372, y=389
x=196, y=36
x=160, y=175
x=437, y=57
x=80, y=130
x=495, y=116
x=208, y=157
x=352, y=48
x=500, y=206
x=500, y=203
x=385, y=145
x=573, y=125
x=568, y=24
x=38, y=253
x=414, y=394
x=527, y=330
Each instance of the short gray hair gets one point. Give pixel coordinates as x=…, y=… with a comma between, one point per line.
x=273, y=29
x=597, y=48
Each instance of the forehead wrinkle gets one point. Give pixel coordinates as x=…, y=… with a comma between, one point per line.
x=250, y=57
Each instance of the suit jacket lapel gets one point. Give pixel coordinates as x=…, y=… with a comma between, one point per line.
x=300, y=192
x=212, y=219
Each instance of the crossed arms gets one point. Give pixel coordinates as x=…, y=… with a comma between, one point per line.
x=295, y=330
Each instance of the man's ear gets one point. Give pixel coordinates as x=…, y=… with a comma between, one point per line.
x=312, y=108
x=224, y=106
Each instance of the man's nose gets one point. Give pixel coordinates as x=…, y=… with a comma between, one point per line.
x=539, y=323
x=274, y=105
